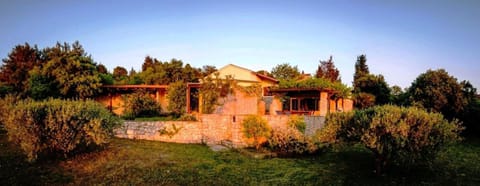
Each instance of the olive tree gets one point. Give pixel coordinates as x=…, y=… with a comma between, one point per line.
x=406, y=135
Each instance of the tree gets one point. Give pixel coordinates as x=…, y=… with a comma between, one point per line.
x=398, y=96
x=207, y=70
x=177, y=97
x=361, y=69
x=364, y=82
x=102, y=69
x=327, y=70
x=40, y=86
x=285, y=71
x=119, y=74
x=189, y=74
x=73, y=71
x=404, y=135
x=14, y=70
x=148, y=63
x=376, y=86
x=436, y=90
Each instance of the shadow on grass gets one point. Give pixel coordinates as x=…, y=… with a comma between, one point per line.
x=15, y=170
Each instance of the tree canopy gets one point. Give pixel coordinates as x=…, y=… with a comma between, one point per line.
x=327, y=70
x=285, y=71
x=369, y=87
x=15, y=68
x=437, y=91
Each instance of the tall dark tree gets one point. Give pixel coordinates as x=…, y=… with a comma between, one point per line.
x=437, y=91
x=285, y=72
x=15, y=68
x=361, y=70
x=148, y=62
x=327, y=70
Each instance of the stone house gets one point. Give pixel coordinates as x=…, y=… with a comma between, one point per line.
x=270, y=101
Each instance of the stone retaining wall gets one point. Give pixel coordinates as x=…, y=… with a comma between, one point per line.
x=210, y=129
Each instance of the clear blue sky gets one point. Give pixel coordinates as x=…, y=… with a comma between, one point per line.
x=400, y=38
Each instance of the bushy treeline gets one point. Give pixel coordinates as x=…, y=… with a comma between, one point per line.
x=434, y=90
x=56, y=127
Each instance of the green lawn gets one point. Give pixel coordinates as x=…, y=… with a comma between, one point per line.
x=131, y=162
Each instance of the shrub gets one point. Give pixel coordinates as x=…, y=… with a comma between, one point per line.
x=297, y=122
x=187, y=117
x=364, y=100
x=290, y=141
x=394, y=134
x=57, y=126
x=140, y=104
x=257, y=128
x=177, y=97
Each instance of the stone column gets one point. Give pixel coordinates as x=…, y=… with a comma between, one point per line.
x=323, y=103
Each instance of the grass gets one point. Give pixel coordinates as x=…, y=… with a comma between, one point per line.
x=132, y=162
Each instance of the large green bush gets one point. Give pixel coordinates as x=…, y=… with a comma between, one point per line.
x=54, y=127
x=394, y=134
x=140, y=104
x=177, y=97
x=290, y=141
x=257, y=128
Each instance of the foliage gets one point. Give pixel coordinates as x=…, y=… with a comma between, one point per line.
x=120, y=74
x=101, y=69
x=398, y=96
x=207, y=70
x=169, y=132
x=213, y=89
x=340, y=90
x=361, y=70
x=61, y=71
x=252, y=90
x=257, y=128
x=327, y=70
x=14, y=70
x=364, y=100
x=157, y=72
x=290, y=141
x=297, y=122
x=376, y=86
x=187, y=117
x=140, y=104
x=471, y=118
x=56, y=126
x=285, y=72
x=364, y=82
x=106, y=79
x=436, y=90
x=394, y=134
x=177, y=97
x=73, y=71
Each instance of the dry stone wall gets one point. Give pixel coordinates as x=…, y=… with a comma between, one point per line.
x=210, y=129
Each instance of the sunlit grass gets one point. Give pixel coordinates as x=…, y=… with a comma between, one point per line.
x=134, y=162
